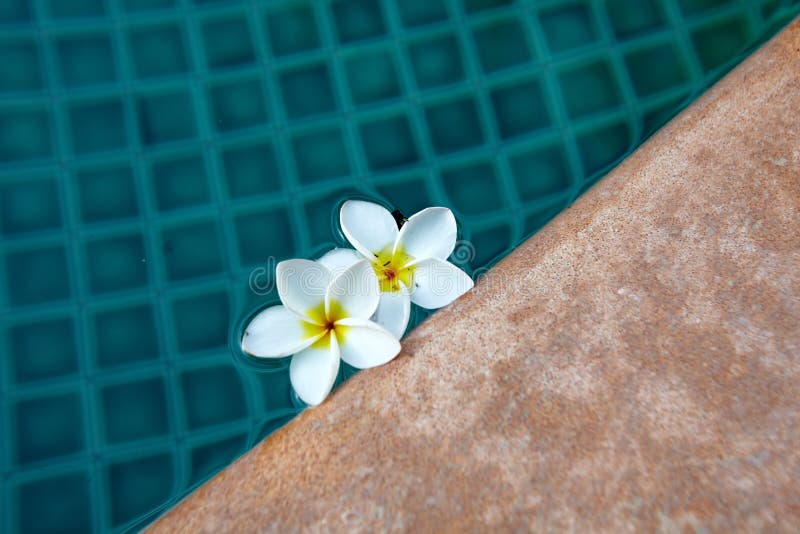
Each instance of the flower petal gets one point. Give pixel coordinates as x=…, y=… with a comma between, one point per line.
x=313, y=371
x=365, y=344
x=437, y=283
x=393, y=311
x=368, y=226
x=430, y=233
x=302, y=285
x=339, y=259
x=354, y=293
x=277, y=332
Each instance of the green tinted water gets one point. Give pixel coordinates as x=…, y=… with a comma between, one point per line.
x=155, y=154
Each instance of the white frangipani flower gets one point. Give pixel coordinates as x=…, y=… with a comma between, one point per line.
x=322, y=318
x=410, y=263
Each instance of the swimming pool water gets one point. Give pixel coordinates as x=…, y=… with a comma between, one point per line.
x=154, y=154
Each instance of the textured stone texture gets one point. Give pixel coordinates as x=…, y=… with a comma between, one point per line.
x=635, y=365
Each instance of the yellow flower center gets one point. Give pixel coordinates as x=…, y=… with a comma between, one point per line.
x=391, y=268
x=325, y=323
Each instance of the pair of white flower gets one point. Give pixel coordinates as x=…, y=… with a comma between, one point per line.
x=354, y=305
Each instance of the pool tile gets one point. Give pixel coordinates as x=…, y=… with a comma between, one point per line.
x=356, y=20
x=228, y=42
x=69, y=505
x=631, y=18
x=388, y=143
x=250, y=228
x=420, y=12
x=568, y=25
x=307, y=90
x=501, y=44
x=192, y=250
x=372, y=76
x=116, y=263
x=47, y=427
x=20, y=68
x=97, y=126
x=595, y=78
x=540, y=171
x=436, y=61
x=320, y=154
x=251, y=170
x=237, y=104
x=602, y=146
x=520, y=108
x=86, y=60
x=201, y=322
x=202, y=388
x=209, y=458
x=144, y=403
x=30, y=275
x=166, y=117
x=473, y=189
x=158, y=50
x=180, y=182
x=473, y=6
x=43, y=349
x=716, y=44
x=292, y=29
x=106, y=193
x=29, y=205
x=490, y=243
x=672, y=70
x=139, y=485
x=25, y=134
x=75, y=9
x=125, y=335
x=454, y=125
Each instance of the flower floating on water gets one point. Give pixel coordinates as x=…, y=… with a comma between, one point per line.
x=410, y=263
x=324, y=317
x=354, y=305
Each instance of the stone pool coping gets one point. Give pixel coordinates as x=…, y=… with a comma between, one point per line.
x=634, y=365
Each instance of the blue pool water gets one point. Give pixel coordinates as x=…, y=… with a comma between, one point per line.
x=157, y=156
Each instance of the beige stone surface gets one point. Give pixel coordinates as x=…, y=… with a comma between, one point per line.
x=633, y=366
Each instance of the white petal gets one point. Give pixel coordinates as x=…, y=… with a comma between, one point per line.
x=430, y=233
x=393, y=311
x=365, y=344
x=356, y=291
x=313, y=371
x=368, y=226
x=277, y=332
x=437, y=283
x=339, y=259
x=302, y=285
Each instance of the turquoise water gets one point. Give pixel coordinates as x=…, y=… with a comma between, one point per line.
x=155, y=154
